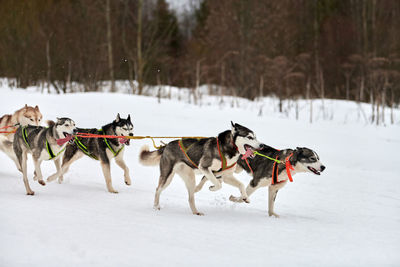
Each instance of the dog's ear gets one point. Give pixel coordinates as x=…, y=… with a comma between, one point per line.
x=233, y=127
x=129, y=118
x=26, y=105
x=37, y=108
x=58, y=120
x=118, y=118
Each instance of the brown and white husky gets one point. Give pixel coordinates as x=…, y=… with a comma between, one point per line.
x=25, y=116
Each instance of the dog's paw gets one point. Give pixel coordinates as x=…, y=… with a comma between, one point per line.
x=245, y=199
x=199, y=214
x=42, y=182
x=235, y=199
x=273, y=214
x=113, y=191
x=30, y=193
x=51, y=178
x=60, y=180
x=156, y=207
x=128, y=181
x=215, y=187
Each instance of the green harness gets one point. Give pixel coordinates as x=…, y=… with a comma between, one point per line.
x=84, y=149
x=48, y=147
x=115, y=153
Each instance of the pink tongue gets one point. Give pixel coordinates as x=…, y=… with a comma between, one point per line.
x=248, y=153
x=62, y=141
x=123, y=140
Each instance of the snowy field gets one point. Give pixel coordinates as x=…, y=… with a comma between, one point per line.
x=348, y=216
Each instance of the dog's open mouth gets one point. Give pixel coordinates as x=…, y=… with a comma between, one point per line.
x=314, y=170
x=249, y=152
x=68, y=137
x=125, y=141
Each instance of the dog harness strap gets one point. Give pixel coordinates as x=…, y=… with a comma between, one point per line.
x=25, y=136
x=184, y=150
x=248, y=165
x=51, y=154
x=275, y=172
x=289, y=167
x=84, y=149
x=109, y=146
x=223, y=159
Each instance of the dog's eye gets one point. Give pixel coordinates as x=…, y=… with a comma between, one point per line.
x=250, y=137
x=313, y=159
x=66, y=125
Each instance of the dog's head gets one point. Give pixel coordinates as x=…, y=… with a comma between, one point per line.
x=123, y=127
x=65, y=128
x=245, y=139
x=308, y=160
x=30, y=116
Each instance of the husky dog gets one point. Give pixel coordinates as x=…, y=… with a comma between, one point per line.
x=186, y=157
x=25, y=116
x=102, y=149
x=267, y=172
x=41, y=142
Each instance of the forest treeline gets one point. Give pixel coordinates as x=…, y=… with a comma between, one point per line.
x=345, y=49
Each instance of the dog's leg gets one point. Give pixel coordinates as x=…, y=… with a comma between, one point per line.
x=189, y=178
x=230, y=179
x=38, y=172
x=8, y=149
x=24, y=159
x=105, y=166
x=201, y=184
x=67, y=161
x=121, y=163
x=272, y=191
x=251, y=188
x=211, y=177
x=166, y=174
x=57, y=163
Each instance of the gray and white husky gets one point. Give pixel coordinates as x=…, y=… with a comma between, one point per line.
x=187, y=157
x=102, y=149
x=41, y=142
x=266, y=172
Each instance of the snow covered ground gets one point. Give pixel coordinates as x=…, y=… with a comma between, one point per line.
x=348, y=216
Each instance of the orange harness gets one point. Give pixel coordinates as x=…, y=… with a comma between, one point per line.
x=222, y=157
x=8, y=132
x=288, y=168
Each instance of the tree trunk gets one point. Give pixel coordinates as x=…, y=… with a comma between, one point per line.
x=48, y=59
x=109, y=46
x=361, y=96
x=371, y=98
x=140, y=66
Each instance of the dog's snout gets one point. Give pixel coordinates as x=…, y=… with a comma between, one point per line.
x=130, y=134
x=75, y=131
x=323, y=168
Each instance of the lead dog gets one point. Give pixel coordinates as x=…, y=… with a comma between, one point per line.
x=266, y=172
x=102, y=149
x=25, y=116
x=41, y=142
x=206, y=156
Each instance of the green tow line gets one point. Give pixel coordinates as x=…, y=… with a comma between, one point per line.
x=262, y=155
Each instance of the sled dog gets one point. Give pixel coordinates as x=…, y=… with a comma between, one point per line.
x=102, y=149
x=41, y=142
x=25, y=116
x=266, y=172
x=187, y=157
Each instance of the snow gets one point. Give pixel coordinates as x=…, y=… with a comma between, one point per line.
x=348, y=216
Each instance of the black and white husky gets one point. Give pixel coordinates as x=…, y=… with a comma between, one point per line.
x=102, y=149
x=41, y=142
x=267, y=172
x=187, y=157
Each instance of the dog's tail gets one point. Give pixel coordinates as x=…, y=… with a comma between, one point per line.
x=50, y=123
x=150, y=158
